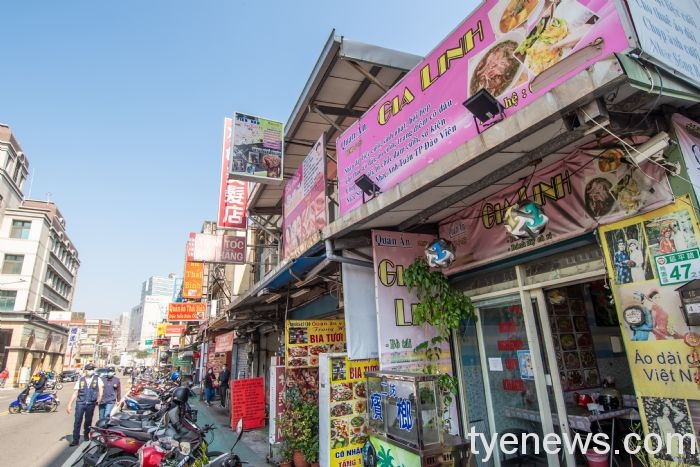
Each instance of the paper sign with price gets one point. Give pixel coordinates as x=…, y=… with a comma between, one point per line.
x=677, y=267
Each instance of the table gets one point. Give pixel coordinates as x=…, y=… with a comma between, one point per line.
x=580, y=418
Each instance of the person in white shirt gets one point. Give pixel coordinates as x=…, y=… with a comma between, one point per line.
x=87, y=394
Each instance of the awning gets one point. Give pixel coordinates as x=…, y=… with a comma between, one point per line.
x=657, y=80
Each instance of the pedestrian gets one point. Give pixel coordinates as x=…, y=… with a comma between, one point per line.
x=209, y=383
x=39, y=385
x=3, y=377
x=224, y=377
x=111, y=394
x=86, y=394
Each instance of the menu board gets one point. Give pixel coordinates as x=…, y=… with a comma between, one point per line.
x=248, y=402
x=306, y=339
x=347, y=418
x=573, y=342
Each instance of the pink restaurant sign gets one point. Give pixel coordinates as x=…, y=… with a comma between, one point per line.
x=421, y=119
x=577, y=194
x=305, y=199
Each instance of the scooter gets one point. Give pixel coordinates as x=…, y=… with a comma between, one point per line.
x=46, y=402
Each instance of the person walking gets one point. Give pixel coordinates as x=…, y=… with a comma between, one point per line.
x=224, y=377
x=3, y=377
x=209, y=383
x=111, y=394
x=39, y=385
x=86, y=394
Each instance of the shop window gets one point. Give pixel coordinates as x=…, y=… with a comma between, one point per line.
x=20, y=229
x=12, y=264
x=7, y=300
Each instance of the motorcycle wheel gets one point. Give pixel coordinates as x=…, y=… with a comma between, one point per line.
x=122, y=461
x=59, y=386
x=52, y=406
x=13, y=409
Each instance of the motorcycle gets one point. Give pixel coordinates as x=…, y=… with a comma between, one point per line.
x=46, y=401
x=54, y=384
x=230, y=459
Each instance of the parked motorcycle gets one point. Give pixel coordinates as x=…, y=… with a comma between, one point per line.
x=45, y=402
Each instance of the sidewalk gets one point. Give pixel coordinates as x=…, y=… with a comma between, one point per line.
x=253, y=447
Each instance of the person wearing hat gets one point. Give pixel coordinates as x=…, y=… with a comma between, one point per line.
x=87, y=393
x=112, y=393
x=621, y=261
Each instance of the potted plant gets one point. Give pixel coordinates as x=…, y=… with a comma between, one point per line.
x=299, y=426
x=285, y=455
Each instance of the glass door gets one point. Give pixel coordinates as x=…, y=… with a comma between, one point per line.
x=514, y=379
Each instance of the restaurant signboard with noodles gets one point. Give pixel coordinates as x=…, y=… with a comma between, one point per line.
x=306, y=339
x=590, y=187
x=256, y=150
x=503, y=47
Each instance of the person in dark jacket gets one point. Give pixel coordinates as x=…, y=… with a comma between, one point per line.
x=209, y=383
x=224, y=377
x=39, y=386
x=111, y=394
x=86, y=395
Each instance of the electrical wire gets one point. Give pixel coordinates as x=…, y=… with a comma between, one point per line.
x=629, y=147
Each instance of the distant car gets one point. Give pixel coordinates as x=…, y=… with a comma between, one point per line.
x=69, y=376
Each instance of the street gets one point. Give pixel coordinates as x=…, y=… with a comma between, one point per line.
x=38, y=439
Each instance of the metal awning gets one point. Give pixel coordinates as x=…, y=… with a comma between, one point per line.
x=348, y=78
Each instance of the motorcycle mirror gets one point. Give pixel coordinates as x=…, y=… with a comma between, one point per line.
x=239, y=430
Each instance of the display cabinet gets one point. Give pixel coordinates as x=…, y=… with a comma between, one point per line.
x=404, y=411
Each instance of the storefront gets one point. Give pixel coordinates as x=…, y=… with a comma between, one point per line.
x=546, y=330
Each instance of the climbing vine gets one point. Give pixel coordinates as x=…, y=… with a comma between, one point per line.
x=443, y=307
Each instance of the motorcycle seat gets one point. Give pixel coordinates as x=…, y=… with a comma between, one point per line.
x=139, y=435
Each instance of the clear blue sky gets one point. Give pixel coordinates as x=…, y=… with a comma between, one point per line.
x=119, y=107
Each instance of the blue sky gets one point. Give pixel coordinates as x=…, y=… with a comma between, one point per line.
x=119, y=107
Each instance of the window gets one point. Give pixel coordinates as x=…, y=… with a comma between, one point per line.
x=12, y=264
x=7, y=300
x=20, y=229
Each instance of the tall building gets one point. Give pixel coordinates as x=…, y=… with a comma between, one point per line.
x=156, y=293
x=38, y=270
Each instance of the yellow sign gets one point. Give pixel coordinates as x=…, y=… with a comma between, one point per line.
x=348, y=411
x=306, y=339
x=646, y=256
x=160, y=329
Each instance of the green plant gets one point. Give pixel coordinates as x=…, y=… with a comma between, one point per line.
x=299, y=426
x=443, y=307
x=284, y=452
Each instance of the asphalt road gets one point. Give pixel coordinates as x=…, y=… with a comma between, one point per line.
x=38, y=439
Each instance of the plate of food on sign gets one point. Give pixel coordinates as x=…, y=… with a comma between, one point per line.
x=496, y=69
x=558, y=31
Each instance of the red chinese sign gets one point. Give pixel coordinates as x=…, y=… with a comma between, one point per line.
x=233, y=194
x=248, y=402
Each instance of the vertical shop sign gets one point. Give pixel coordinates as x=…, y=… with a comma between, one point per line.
x=657, y=339
x=688, y=133
x=305, y=199
x=248, y=402
x=276, y=402
x=192, y=283
x=393, y=252
x=233, y=194
x=345, y=429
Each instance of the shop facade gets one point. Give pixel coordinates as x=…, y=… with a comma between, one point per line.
x=588, y=143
